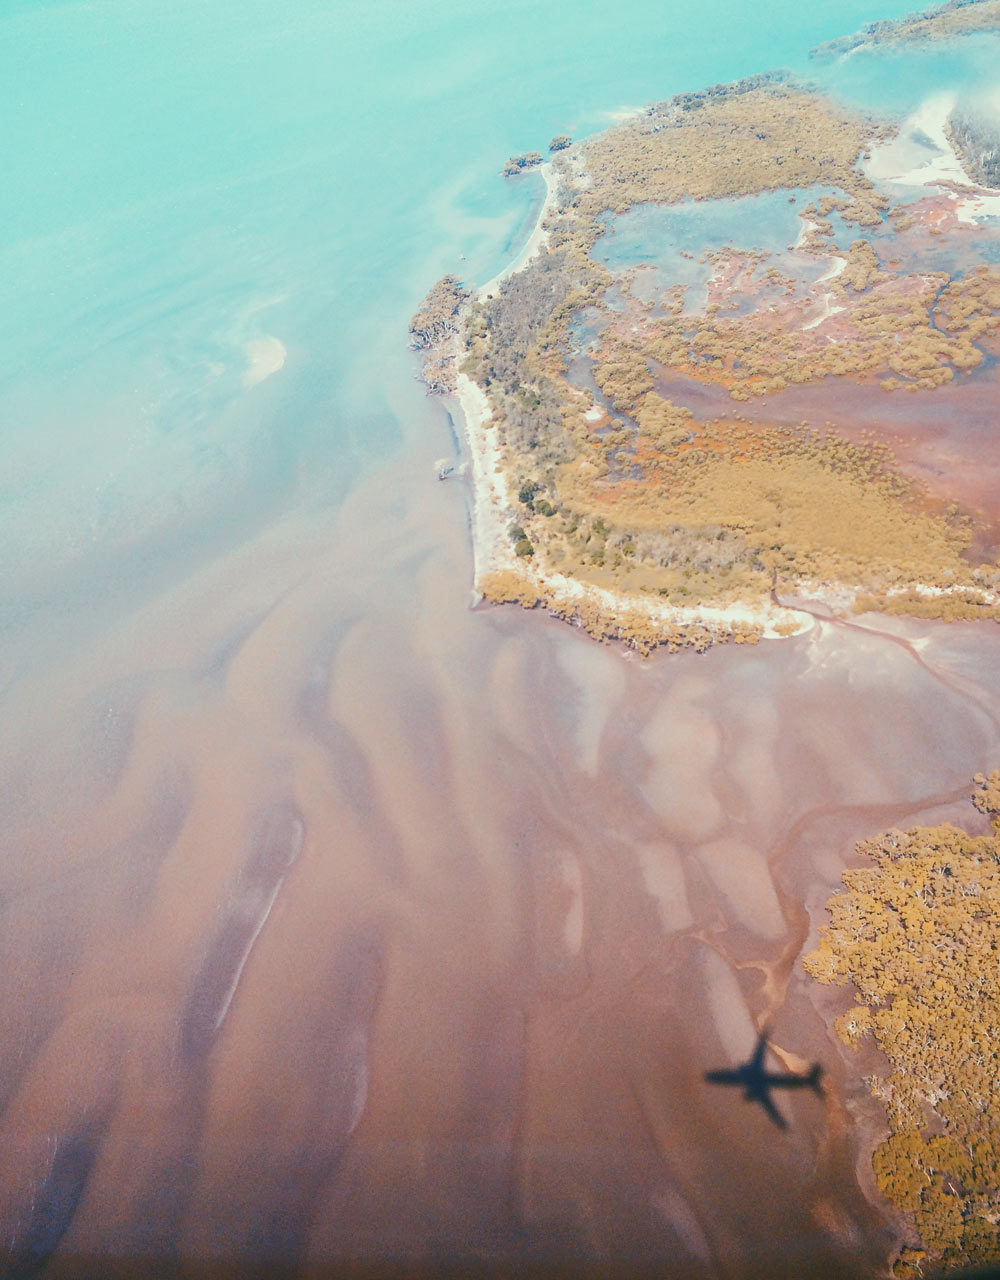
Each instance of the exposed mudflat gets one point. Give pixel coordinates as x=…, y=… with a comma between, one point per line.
x=350, y=930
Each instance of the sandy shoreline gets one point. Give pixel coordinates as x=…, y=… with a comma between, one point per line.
x=493, y=512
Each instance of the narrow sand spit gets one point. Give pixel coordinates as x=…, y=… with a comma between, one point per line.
x=807, y=228
x=491, y=509
x=833, y=271
x=827, y=309
x=828, y=305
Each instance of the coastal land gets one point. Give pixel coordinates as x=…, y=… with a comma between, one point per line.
x=938, y=23
x=736, y=434
x=636, y=468
x=354, y=932
x=915, y=932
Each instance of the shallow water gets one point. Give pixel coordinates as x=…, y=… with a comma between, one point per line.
x=346, y=927
x=670, y=241
x=541, y=889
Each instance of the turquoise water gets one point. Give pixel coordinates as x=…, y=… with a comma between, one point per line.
x=769, y=222
x=183, y=180
x=894, y=80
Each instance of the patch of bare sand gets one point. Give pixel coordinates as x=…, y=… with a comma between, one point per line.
x=663, y=875
x=683, y=743
x=740, y=873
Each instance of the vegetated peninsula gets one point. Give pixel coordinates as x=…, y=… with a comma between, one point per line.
x=917, y=934
x=631, y=472
x=956, y=18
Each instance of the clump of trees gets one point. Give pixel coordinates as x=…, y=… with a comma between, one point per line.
x=742, y=501
x=437, y=316
x=976, y=138
x=517, y=345
x=970, y=305
x=865, y=208
x=436, y=323
x=917, y=331
x=917, y=932
x=517, y=359
x=975, y=603
x=517, y=164
x=861, y=269
x=664, y=423
x=622, y=373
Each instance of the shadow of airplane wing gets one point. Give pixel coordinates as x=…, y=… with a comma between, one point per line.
x=723, y=1077
x=767, y=1102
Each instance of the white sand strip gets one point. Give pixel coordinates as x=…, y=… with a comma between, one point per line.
x=833, y=271
x=827, y=309
x=491, y=508
x=762, y=614
x=806, y=230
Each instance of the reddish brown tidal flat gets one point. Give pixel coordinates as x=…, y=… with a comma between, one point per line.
x=348, y=930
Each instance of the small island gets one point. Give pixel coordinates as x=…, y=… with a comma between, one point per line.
x=636, y=466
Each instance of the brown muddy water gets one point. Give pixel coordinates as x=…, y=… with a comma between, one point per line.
x=351, y=931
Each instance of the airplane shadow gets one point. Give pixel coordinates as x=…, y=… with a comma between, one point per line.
x=757, y=1082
